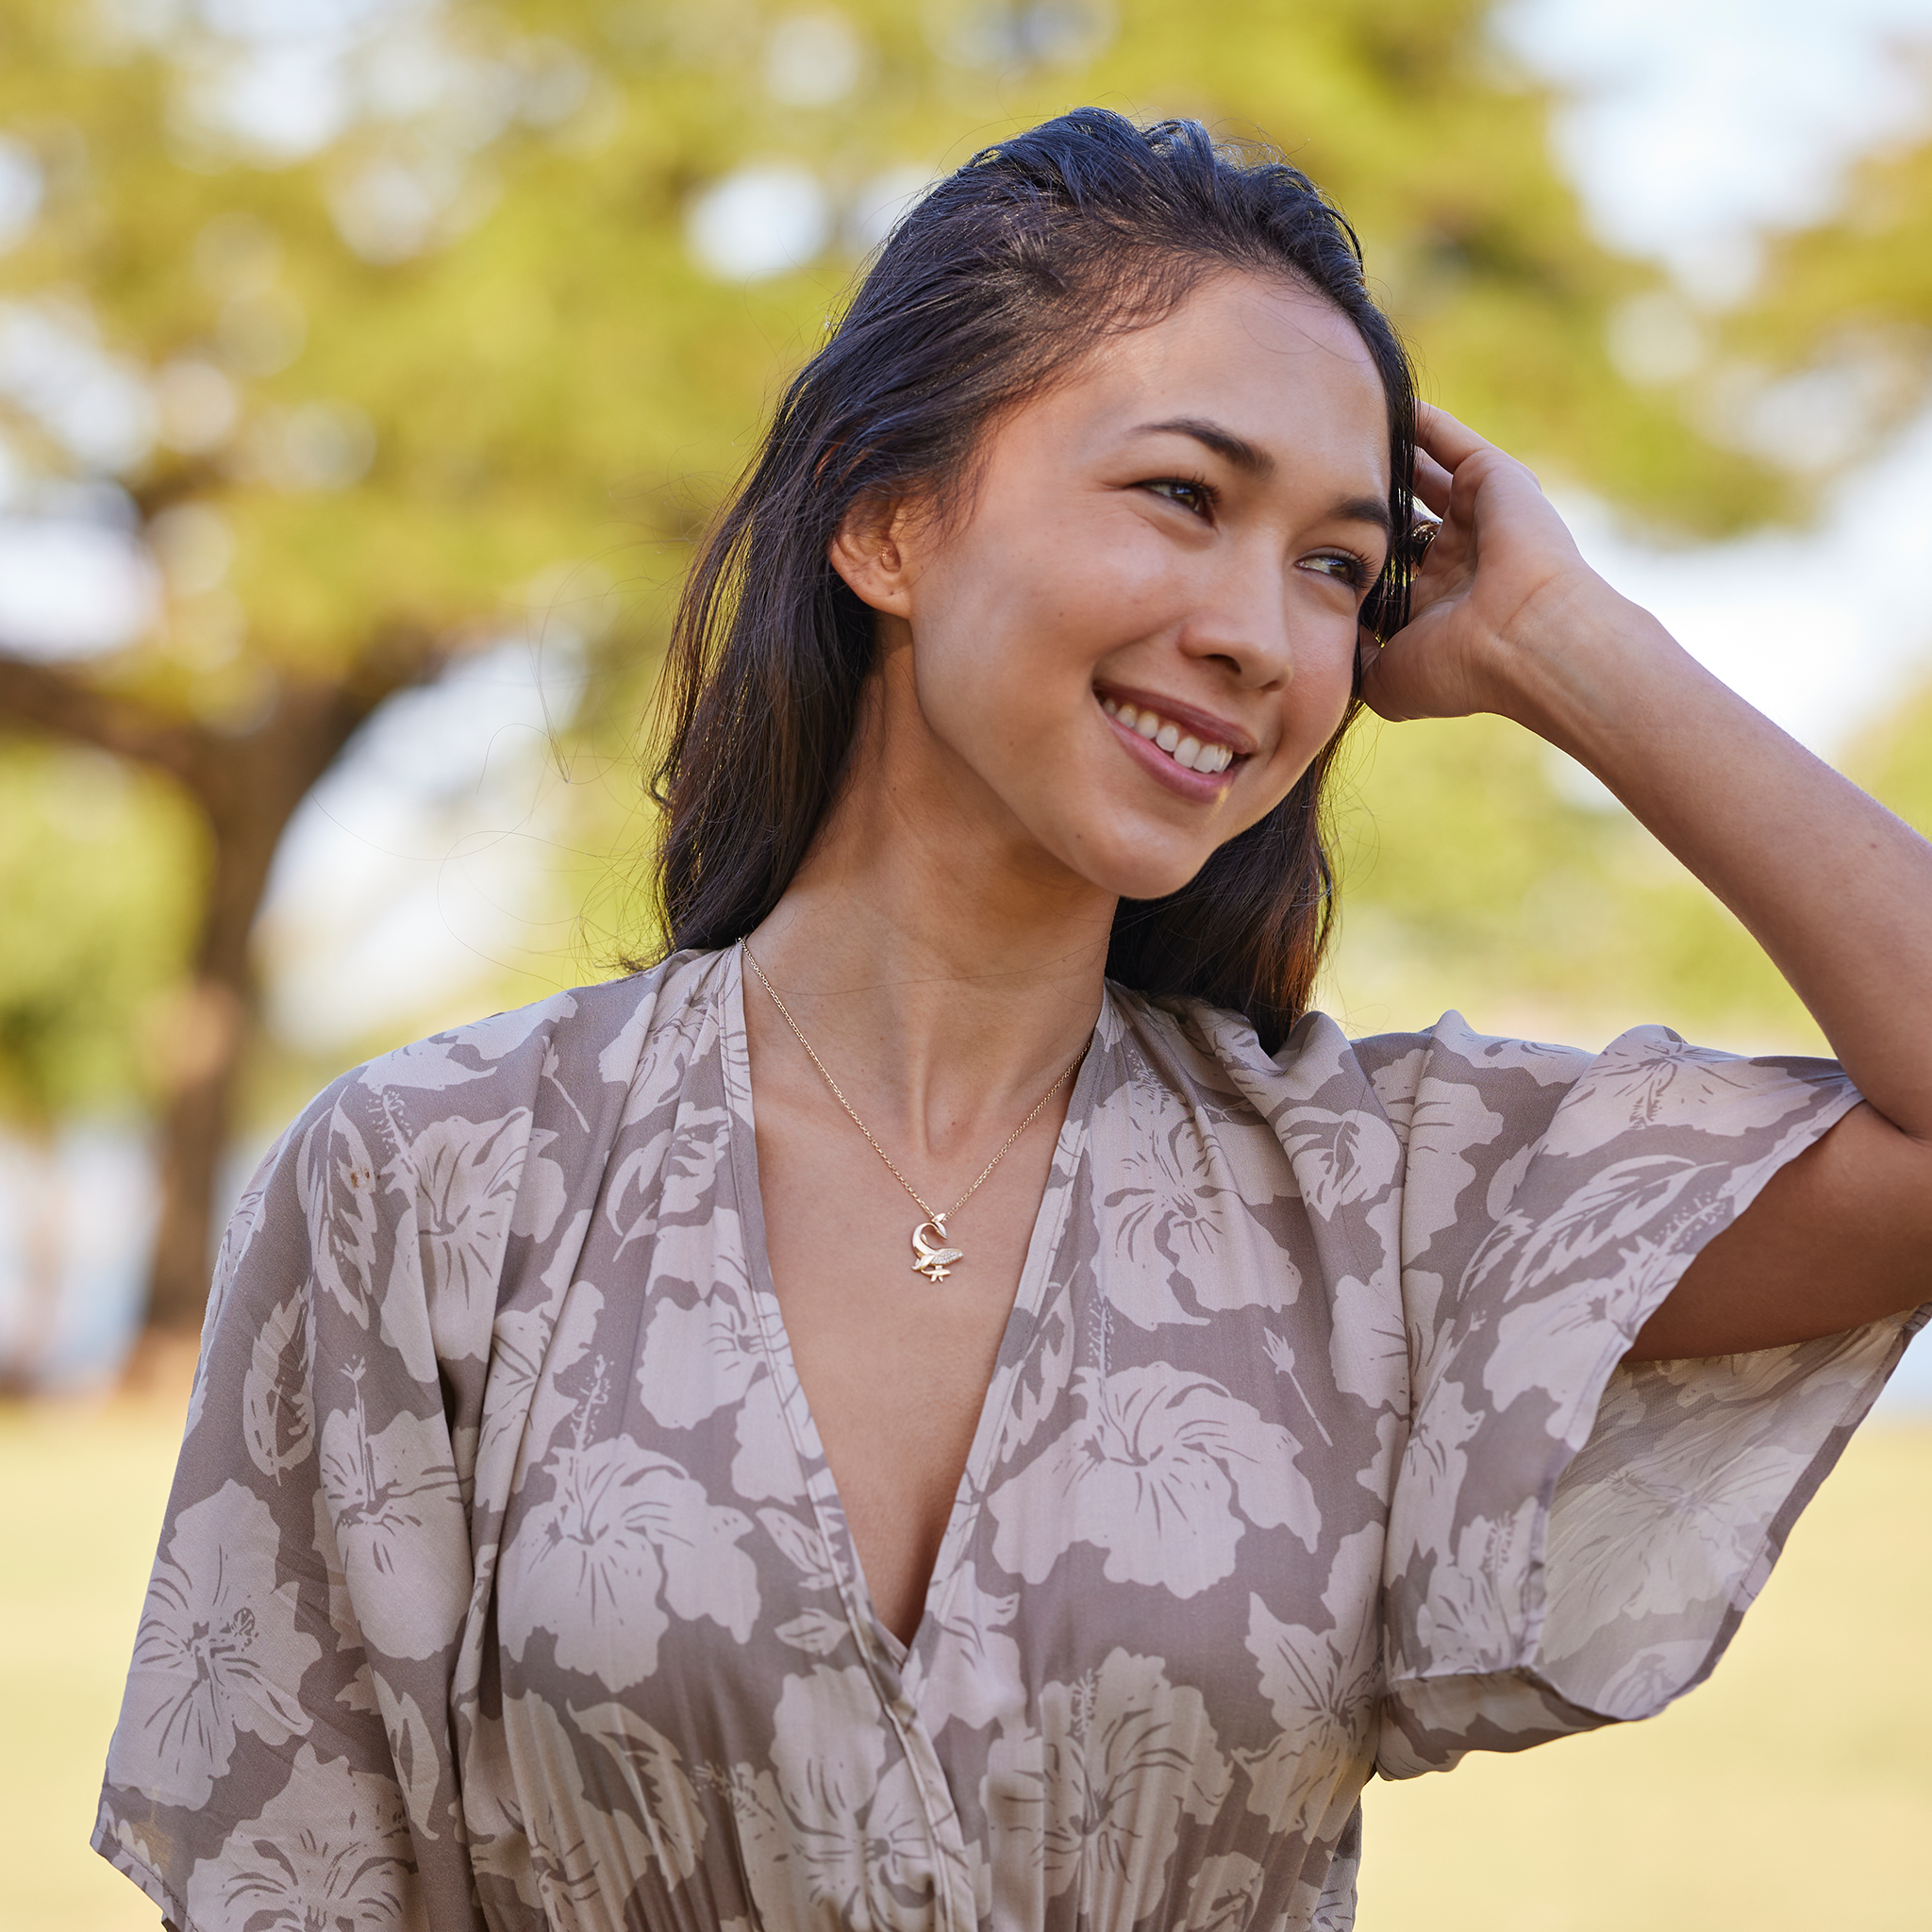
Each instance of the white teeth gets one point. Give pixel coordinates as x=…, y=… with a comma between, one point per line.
x=1184, y=749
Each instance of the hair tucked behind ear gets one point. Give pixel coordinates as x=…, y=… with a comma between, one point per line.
x=996, y=283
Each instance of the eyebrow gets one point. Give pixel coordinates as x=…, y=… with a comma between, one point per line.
x=1253, y=460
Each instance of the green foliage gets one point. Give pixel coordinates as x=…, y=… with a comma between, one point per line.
x=98, y=872
x=428, y=421
x=1470, y=880
x=1895, y=762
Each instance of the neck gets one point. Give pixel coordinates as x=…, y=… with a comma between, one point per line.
x=944, y=969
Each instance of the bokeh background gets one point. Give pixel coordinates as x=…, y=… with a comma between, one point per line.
x=367, y=368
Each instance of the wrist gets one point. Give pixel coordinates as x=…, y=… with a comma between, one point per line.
x=1580, y=659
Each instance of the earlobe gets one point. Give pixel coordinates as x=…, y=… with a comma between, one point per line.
x=869, y=553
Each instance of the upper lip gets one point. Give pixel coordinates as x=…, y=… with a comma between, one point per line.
x=1203, y=724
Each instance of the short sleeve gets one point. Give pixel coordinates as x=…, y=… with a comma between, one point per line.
x=1572, y=1542
x=282, y=1754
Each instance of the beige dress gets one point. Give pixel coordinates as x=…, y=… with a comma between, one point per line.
x=505, y=1583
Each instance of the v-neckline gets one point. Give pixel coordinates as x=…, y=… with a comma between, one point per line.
x=1022, y=1321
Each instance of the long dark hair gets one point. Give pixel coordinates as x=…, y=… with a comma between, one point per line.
x=996, y=283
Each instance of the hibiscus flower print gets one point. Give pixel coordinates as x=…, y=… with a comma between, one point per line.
x=399, y=1524
x=330, y=1850
x=218, y=1651
x=626, y=1542
x=1091, y=1798
x=1320, y=1687
x=1151, y=1473
x=833, y=1835
x=1162, y=1217
x=471, y=1185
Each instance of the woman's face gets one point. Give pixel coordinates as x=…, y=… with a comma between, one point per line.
x=1132, y=640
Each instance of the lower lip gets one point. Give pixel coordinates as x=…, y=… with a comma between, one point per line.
x=1203, y=788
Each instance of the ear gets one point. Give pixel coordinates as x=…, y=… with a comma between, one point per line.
x=872, y=551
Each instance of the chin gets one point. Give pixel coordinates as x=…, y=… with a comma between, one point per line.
x=1141, y=873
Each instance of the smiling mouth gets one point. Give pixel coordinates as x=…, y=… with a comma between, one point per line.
x=1184, y=747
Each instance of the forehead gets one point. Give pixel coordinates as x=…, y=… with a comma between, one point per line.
x=1273, y=361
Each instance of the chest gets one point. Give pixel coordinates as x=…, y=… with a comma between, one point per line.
x=895, y=1365
x=1151, y=1543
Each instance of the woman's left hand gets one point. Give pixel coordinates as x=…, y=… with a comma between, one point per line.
x=1502, y=583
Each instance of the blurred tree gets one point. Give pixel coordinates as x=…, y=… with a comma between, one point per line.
x=1831, y=357
x=92, y=867
x=368, y=313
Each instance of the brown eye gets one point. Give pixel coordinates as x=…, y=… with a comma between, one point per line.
x=1196, y=498
x=1343, y=564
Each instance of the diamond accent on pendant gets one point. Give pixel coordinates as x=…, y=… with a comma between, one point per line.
x=932, y=1261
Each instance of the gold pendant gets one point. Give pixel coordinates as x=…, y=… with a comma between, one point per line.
x=932, y=1261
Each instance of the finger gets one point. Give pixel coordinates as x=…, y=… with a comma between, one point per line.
x=1433, y=483
x=1449, y=441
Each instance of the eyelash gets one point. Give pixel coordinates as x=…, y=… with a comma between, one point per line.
x=1358, y=571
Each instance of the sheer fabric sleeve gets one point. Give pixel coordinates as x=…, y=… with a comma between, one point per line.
x=283, y=1754
x=1572, y=1542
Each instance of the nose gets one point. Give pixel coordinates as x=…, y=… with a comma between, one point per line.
x=1241, y=619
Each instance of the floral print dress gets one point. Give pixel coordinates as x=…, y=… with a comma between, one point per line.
x=505, y=1583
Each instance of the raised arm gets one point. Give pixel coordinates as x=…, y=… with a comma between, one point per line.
x=1508, y=618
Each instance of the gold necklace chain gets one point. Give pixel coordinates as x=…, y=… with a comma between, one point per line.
x=932, y=1259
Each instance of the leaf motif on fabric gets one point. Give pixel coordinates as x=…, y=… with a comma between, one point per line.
x=413, y=1751
x=1435, y=1465
x=1368, y=1342
x=1610, y=1205
x=1649, y=1078
x=557, y=1837
x=1447, y=1122
x=335, y=1181
x=654, y=1779
x=1340, y=1157
x=277, y=1408
x=816, y=1631
x=433, y=1065
x=803, y=1547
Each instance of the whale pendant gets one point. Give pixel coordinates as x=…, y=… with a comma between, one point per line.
x=932, y=1261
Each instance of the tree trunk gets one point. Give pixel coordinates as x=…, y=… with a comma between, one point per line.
x=262, y=778
x=247, y=786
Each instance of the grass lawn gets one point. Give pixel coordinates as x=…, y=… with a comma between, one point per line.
x=1793, y=1793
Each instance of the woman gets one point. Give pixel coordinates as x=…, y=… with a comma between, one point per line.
x=605, y=1503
